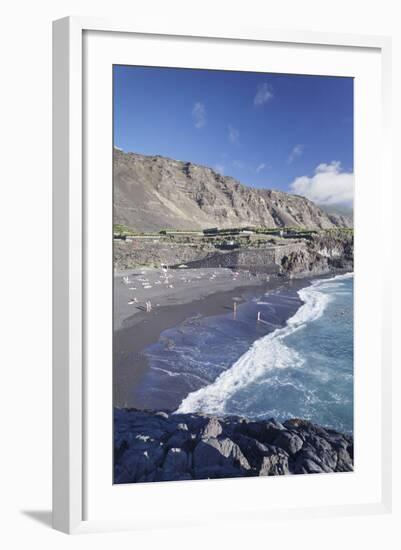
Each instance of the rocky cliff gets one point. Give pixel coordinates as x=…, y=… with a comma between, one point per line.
x=321, y=253
x=160, y=446
x=152, y=193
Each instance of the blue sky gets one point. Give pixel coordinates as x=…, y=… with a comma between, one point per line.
x=288, y=132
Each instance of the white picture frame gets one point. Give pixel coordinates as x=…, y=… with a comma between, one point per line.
x=70, y=260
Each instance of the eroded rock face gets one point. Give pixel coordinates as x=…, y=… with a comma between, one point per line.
x=275, y=463
x=162, y=446
x=212, y=429
x=153, y=192
x=321, y=254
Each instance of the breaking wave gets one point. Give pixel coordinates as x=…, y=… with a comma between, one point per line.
x=267, y=353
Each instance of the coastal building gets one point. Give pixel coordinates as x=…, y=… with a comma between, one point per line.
x=215, y=231
x=180, y=233
x=211, y=231
x=142, y=237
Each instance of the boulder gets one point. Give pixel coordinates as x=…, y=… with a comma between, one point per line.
x=212, y=452
x=120, y=446
x=157, y=446
x=344, y=462
x=138, y=462
x=181, y=439
x=308, y=466
x=212, y=429
x=207, y=453
x=121, y=475
x=176, y=461
x=253, y=450
x=322, y=450
x=308, y=461
x=289, y=441
x=274, y=463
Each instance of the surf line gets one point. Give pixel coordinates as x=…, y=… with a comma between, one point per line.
x=265, y=353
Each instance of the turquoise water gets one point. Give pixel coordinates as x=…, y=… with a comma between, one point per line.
x=304, y=369
x=299, y=363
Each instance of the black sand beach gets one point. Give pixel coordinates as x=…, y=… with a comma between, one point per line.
x=206, y=297
x=143, y=329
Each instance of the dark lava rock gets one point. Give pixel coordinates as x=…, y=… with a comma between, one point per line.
x=137, y=463
x=253, y=450
x=157, y=446
x=274, y=463
x=181, y=439
x=176, y=461
x=218, y=452
x=289, y=441
x=212, y=429
x=265, y=432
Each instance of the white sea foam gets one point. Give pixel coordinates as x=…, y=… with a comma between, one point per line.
x=348, y=275
x=269, y=352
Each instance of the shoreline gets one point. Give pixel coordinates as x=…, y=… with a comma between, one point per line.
x=143, y=329
x=157, y=446
x=183, y=287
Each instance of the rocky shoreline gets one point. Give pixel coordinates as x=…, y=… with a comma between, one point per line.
x=163, y=446
x=319, y=254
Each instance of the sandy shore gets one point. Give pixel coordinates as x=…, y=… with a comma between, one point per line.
x=203, y=292
x=132, y=289
x=175, y=296
x=187, y=293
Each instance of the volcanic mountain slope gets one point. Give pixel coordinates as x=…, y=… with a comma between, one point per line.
x=153, y=193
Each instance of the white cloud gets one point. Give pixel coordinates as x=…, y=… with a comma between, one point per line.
x=264, y=93
x=238, y=164
x=219, y=168
x=329, y=185
x=295, y=153
x=199, y=114
x=260, y=167
x=233, y=134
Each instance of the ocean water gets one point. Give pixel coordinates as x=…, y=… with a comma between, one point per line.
x=297, y=362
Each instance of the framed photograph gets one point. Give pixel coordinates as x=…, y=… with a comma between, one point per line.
x=220, y=325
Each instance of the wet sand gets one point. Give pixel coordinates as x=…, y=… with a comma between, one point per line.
x=204, y=297
x=145, y=328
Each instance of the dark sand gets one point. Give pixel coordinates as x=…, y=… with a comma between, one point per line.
x=145, y=328
x=142, y=329
x=175, y=287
